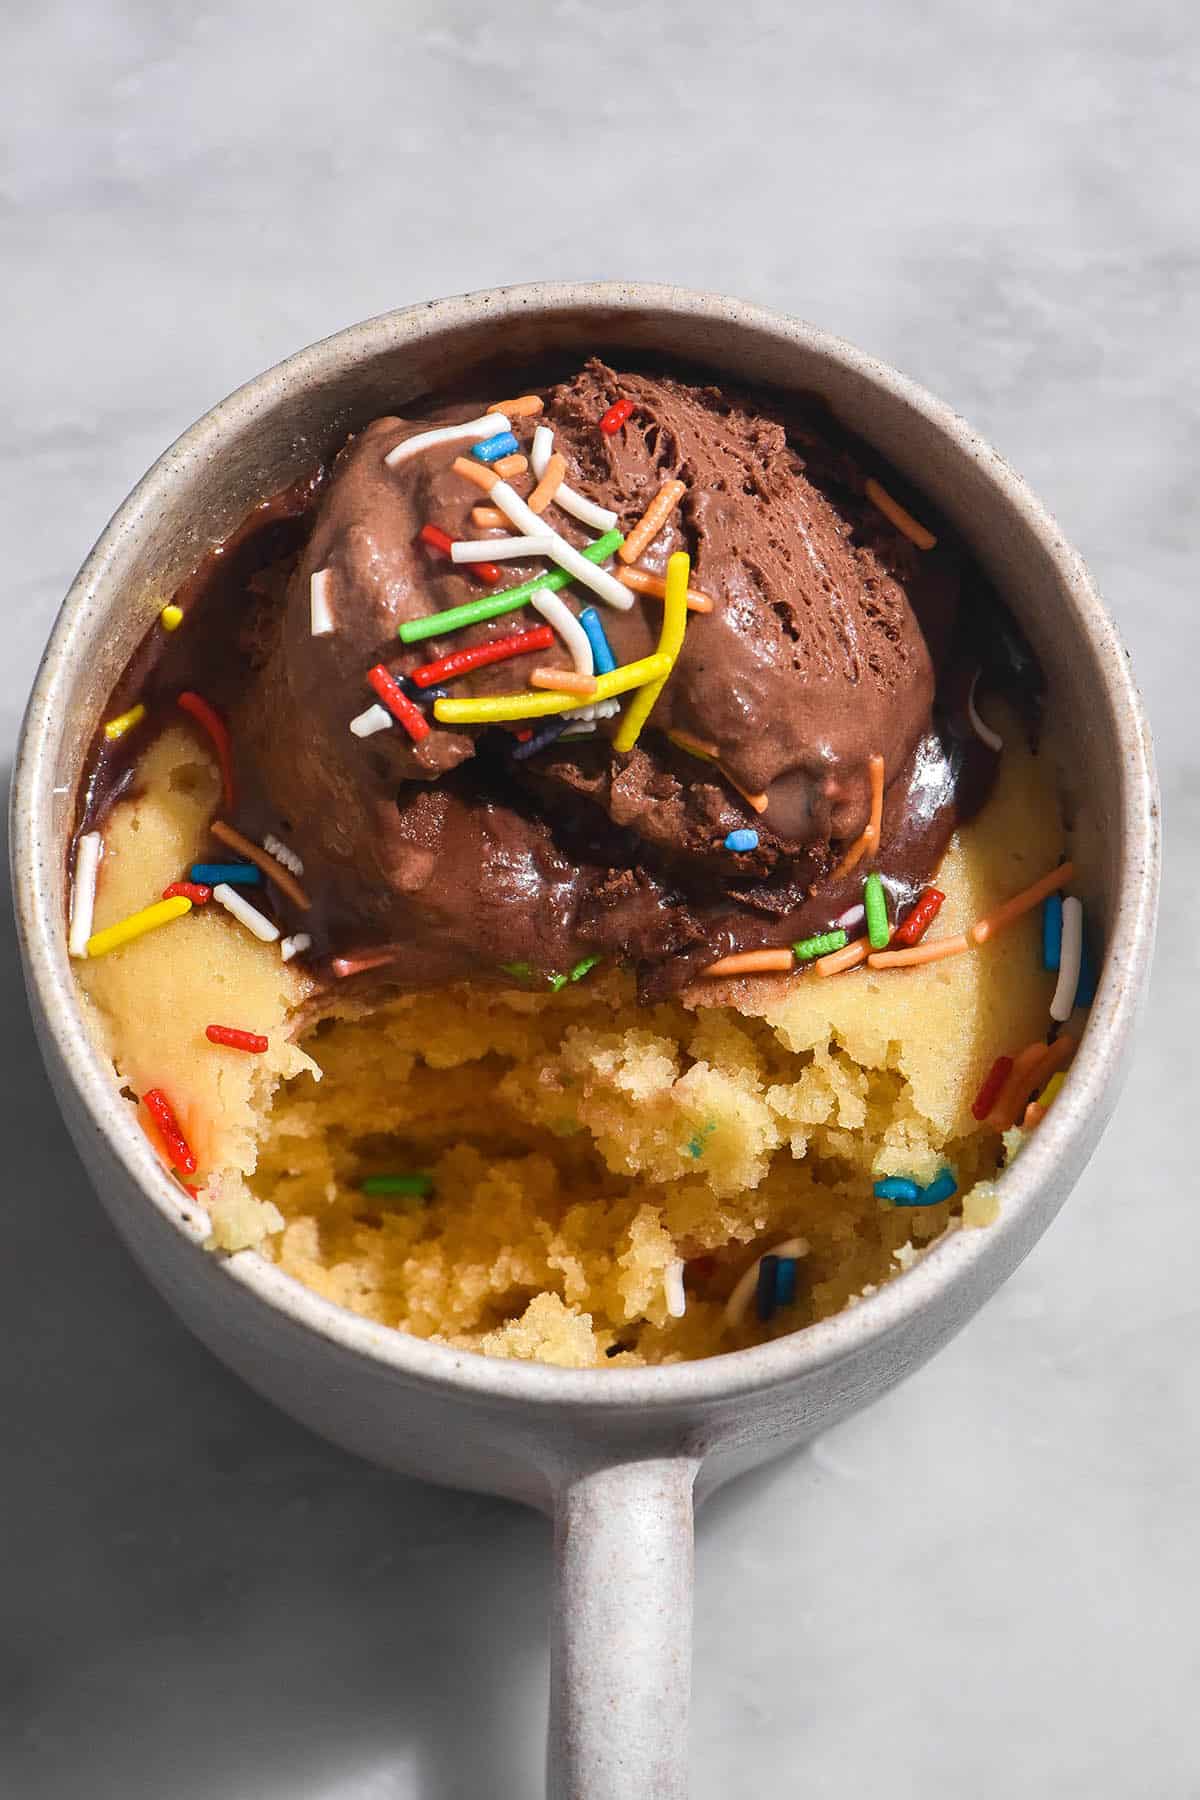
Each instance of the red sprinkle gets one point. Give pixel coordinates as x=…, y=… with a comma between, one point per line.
x=919, y=919
x=176, y=1145
x=436, y=538
x=986, y=1098
x=523, y=736
x=217, y=730
x=615, y=417
x=234, y=1039
x=195, y=891
x=440, y=540
x=398, y=703
x=499, y=650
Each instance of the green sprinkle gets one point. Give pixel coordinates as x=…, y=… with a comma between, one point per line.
x=522, y=971
x=581, y=968
x=557, y=981
x=508, y=600
x=821, y=945
x=875, y=901
x=419, y=1184
x=696, y=1146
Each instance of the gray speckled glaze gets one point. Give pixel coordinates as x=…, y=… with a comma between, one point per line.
x=614, y=1454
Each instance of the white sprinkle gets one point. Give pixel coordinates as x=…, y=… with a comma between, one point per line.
x=275, y=847
x=318, y=602
x=1070, y=961
x=739, y=1300
x=558, y=614
x=595, y=709
x=565, y=555
x=244, y=913
x=467, y=550
x=984, y=732
x=673, y=1286
x=850, y=917
x=447, y=434
x=584, y=728
x=83, y=891
x=295, y=946
x=376, y=718
x=62, y=790
x=600, y=518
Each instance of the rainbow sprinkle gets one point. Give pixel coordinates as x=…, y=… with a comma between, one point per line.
x=474, y=612
x=116, y=728
x=137, y=925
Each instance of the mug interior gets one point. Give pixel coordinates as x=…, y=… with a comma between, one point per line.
x=277, y=427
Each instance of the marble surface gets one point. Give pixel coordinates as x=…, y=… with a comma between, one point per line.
x=986, y=1585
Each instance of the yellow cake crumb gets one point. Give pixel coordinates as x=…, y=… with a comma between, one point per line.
x=579, y=1144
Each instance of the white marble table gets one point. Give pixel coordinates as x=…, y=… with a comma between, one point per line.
x=986, y=1586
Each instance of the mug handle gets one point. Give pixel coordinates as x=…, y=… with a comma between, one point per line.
x=621, y=1641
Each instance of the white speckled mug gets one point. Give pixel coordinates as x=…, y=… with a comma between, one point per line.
x=618, y=1456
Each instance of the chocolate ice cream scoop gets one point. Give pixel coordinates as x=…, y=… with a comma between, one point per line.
x=436, y=850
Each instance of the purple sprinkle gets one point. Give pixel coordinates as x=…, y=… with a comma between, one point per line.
x=540, y=739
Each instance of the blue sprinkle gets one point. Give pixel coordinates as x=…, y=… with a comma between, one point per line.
x=898, y=1191
x=1052, y=931
x=765, y=1294
x=540, y=739
x=785, y=1281
x=602, y=654
x=1089, y=973
x=493, y=448
x=940, y=1189
x=742, y=840
x=236, y=874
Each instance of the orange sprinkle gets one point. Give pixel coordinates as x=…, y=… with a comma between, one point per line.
x=849, y=958
x=891, y=509
x=526, y=406
x=711, y=753
x=271, y=868
x=652, y=520
x=643, y=582
x=483, y=475
x=693, y=745
x=920, y=953
x=345, y=966
x=1020, y=903
x=563, y=681
x=516, y=464
x=1032, y=1069
x=869, y=840
x=489, y=518
x=752, y=962
x=1034, y=1114
x=757, y=801
x=548, y=486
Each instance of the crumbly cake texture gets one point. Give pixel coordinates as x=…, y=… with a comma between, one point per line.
x=579, y=1143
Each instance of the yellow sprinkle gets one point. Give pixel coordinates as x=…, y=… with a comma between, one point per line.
x=115, y=728
x=125, y=930
x=1051, y=1090
x=171, y=617
x=494, y=709
x=670, y=643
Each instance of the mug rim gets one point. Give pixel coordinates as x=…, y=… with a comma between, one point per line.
x=942, y=1269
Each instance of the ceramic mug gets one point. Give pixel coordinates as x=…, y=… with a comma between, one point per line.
x=619, y=1456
